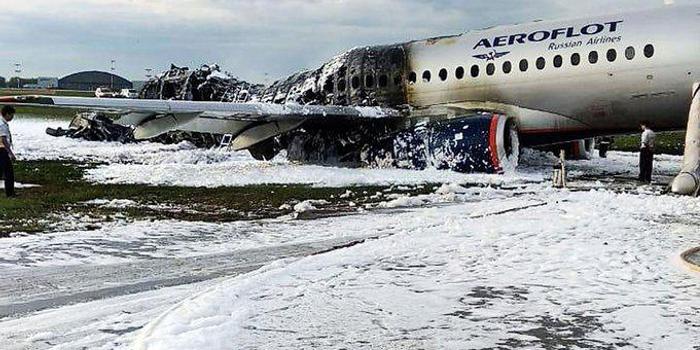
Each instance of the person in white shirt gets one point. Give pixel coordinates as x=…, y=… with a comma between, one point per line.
x=7, y=156
x=646, y=153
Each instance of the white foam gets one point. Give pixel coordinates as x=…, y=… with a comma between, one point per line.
x=590, y=268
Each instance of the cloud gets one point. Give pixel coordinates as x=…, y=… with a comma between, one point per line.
x=250, y=37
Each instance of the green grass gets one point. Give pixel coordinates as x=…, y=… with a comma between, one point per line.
x=62, y=187
x=49, y=92
x=45, y=112
x=666, y=143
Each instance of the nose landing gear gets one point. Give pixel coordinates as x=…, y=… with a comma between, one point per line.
x=688, y=181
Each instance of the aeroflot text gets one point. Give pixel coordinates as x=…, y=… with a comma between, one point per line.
x=542, y=35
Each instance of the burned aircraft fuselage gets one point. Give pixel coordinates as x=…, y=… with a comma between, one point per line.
x=367, y=76
x=553, y=82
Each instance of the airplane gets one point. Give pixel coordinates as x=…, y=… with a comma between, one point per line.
x=465, y=102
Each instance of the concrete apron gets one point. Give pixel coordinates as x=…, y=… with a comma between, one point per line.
x=688, y=181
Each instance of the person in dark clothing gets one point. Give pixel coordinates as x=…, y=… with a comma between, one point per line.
x=604, y=146
x=7, y=156
x=646, y=153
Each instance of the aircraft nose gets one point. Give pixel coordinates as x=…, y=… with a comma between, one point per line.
x=685, y=184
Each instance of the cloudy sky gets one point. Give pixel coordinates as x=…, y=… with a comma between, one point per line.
x=250, y=38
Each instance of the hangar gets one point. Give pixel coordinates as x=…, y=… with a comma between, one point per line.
x=91, y=80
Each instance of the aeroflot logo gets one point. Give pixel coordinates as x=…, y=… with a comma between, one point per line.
x=542, y=35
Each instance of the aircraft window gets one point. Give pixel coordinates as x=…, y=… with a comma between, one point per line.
x=630, y=53
x=575, y=59
x=558, y=61
x=507, y=67
x=612, y=55
x=397, y=80
x=540, y=63
x=475, y=71
x=369, y=81
x=649, y=51
x=328, y=86
x=426, y=76
x=341, y=85
x=412, y=78
x=355, y=82
x=593, y=57
x=443, y=74
x=383, y=80
x=459, y=73
x=490, y=69
x=523, y=65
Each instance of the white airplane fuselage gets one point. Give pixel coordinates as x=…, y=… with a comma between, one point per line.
x=455, y=102
x=646, y=64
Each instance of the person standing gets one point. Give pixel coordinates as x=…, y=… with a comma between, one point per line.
x=646, y=154
x=7, y=156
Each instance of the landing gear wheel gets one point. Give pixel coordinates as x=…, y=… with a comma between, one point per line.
x=266, y=150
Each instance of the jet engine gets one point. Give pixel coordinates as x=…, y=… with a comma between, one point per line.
x=481, y=143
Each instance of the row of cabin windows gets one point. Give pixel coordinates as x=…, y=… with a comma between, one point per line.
x=369, y=82
x=540, y=64
x=475, y=71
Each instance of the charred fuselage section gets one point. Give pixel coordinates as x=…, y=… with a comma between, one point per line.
x=367, y=76
x=207, y=83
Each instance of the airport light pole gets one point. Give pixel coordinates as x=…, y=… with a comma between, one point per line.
x=111, y=76
x=18, y=71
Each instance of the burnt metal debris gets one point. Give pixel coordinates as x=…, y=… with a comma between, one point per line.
x=206, y=83
x=93, y=126
x=367, y=76
x=97, y=126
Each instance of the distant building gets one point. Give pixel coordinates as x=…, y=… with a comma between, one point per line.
x=138, y=84
x=89, y=81
x=46, y=83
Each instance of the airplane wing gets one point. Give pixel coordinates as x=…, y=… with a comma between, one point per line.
x=248, y=123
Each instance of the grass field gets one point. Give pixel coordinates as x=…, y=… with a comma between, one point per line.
x=666, y=143
x=60, y=113
x=62, y=193
x=49, y=92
